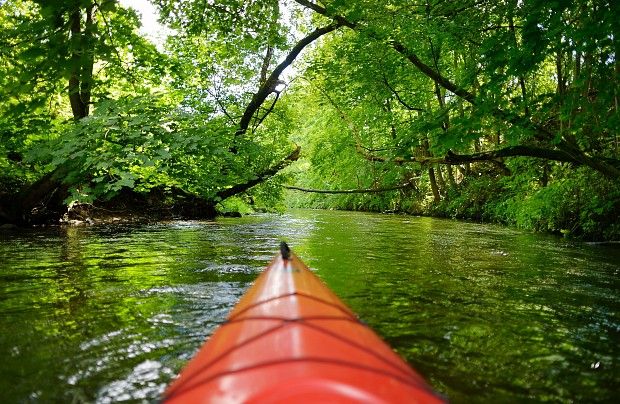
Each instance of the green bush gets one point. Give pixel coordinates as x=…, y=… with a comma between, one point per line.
x=582, y=204
x=577, y=203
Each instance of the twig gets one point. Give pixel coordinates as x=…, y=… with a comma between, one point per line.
x=352, y=191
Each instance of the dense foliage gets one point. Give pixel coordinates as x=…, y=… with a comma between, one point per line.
x=501, y=111
x=494, y=110
x=91, y=108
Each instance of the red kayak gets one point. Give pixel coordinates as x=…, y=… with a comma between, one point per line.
x=291, y=339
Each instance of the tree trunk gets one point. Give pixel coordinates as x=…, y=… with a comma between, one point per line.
x=451, y=179
x=544, y=179
x=440, y=180
x=434, y=187
x=82, y=60
x=77, y=107
x=42, y=202
x=431, y=173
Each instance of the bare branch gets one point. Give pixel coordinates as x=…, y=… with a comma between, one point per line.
x=353, y=191
x=490, y=156
x=398, y=98
x=219, y=102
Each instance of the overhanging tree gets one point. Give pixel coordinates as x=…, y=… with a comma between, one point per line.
x=192, y=139
x=540, y=131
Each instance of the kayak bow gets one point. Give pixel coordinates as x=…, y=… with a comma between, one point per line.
x=291, y=339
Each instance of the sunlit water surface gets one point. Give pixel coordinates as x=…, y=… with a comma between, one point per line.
x=485, y=313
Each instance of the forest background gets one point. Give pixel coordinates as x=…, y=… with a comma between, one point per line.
x=501, y=111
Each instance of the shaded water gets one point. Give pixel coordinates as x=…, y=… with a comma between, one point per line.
x=111, y=313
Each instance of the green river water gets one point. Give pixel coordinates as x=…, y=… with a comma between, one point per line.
x=485, y=313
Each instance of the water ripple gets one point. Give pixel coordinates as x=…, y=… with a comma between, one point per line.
x=112, y=313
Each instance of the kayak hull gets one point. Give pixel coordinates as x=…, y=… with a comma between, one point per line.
x=291, y=339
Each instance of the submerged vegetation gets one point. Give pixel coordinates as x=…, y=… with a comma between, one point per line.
x=501, y=111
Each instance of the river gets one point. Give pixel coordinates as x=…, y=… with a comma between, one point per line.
x=485, y=313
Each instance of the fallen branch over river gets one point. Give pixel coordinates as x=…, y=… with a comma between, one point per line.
x=351, y=191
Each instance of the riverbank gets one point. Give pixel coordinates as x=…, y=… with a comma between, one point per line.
x=560, y=208
x=91, y=214
x=583, y=206
x=98, y=214
x=127, y=206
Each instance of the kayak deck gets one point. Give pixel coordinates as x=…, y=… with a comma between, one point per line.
x=291, y=339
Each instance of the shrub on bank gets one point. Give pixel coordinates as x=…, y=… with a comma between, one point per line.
x=583, y=205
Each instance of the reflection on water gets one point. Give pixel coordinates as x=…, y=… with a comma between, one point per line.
x=110, y=313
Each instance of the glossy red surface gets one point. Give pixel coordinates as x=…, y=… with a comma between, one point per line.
x=291, y=339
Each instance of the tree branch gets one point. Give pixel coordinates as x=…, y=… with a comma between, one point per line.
x=219, y=102
x=352, y=191
x=510, y=151
x=398, y=98
x=261, y=177
x=272, y=81
x=321, y=10
x=491, y=156
x=269, y=110
x=265, y=67
x=431, y=73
